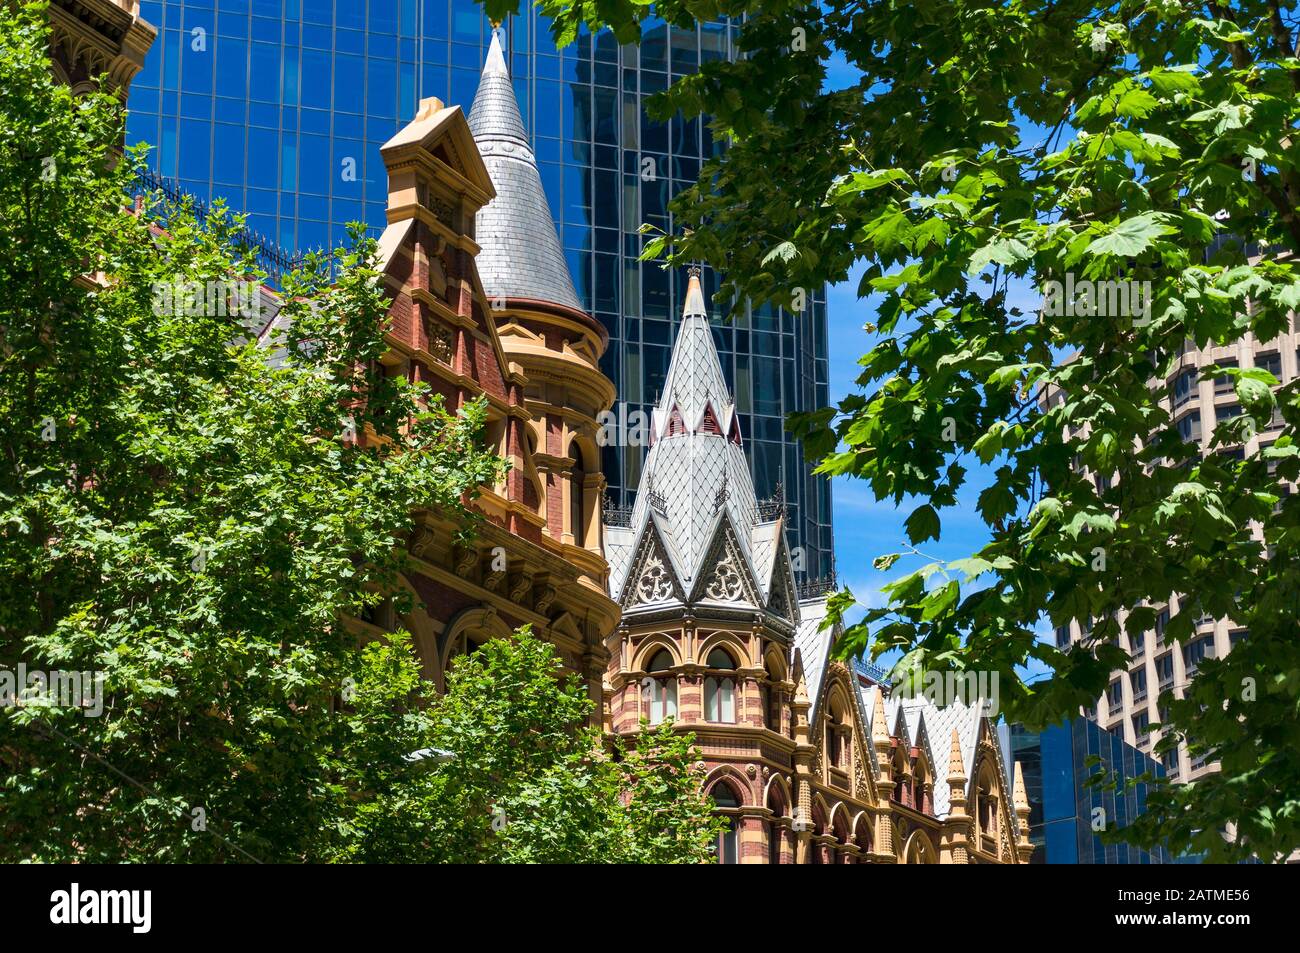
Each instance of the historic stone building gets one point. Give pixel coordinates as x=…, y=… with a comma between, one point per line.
x=90, y=38
x=810, y=760
x=483, y=305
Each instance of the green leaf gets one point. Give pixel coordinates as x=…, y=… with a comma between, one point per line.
x=923, y=524
x=1132, y=236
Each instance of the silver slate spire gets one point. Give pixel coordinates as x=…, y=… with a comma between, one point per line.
x=696, y=497
x=521, y=256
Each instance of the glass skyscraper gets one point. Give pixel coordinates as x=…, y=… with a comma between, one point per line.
x=280, y=107
x=1064, y=810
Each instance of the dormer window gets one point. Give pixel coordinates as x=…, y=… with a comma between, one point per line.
x=710, y=422
x=676, y=425
x=733, y=433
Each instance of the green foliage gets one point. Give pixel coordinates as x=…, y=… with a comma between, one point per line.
x=178, y=512
x=183, y=513
x=986, y=150
x=529, y=780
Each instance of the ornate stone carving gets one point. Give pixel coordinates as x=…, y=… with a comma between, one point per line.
x=543, y=597
x=441, y=210
x=780, y=601
x=860, y=784
x=519, y=587
x=656, y=583
x=441, y=342
x=465, y=560
x=423, y=542
x=726, y=584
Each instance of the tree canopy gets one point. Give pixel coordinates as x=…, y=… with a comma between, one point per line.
x=986, y=148
x=188, y=519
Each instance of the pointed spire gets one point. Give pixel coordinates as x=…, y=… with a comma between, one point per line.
x=495, y=113
x=521, y=257
x=695, y=380
x=879, y=730
x=703, y=476
x=1021, y=799
x=956, y=767
x=694, y=305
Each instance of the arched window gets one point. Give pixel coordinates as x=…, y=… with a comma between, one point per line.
x=660, y=688
x=862, y=834
x=837, y=734
x=577, y=502
x=771, y=696
x=840, y=827
x=902, y=781
x=920, y=850
x=818, y=829
x=466, y=643
x=728, y=843
x=986, y=808
x=720, y=688
x=776, y=826
x=920, y=786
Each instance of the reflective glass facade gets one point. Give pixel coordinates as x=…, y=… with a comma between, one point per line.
x=1062, y=807
x=280, y=107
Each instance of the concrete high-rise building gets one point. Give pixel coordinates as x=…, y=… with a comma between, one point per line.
x=1157, y=667
x=280, y=108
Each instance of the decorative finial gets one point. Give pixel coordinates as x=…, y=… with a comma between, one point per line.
x=879, y=729
x=693, y=271
x=956, y=769
x=1021, y=798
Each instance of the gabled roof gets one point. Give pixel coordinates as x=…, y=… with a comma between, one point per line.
x=940, y=723
x=812, y=649
x=922, y=724
x=434, y=122
x=521, y=257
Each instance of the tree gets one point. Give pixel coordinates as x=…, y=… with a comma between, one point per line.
x=988, y=148
x=527, y=780
x=185, y=516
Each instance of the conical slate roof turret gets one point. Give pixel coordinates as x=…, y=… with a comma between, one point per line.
x=521, y=256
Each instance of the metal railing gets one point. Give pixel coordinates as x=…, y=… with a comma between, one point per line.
x=270, y=257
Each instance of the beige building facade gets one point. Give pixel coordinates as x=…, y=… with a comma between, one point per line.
x=1159, y=667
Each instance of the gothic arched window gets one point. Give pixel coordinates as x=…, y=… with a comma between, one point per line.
x=771, y=695
x=720, y=688
x=986, y=807
x=837, y=734
x=660, y=688
x=577, y=498
x=728, y=843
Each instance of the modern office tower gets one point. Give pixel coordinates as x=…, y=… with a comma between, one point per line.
x=1063, y=812
x=1133, y=699
x=280, y=107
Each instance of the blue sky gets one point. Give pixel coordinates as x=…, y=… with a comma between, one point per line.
x=864, y=527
